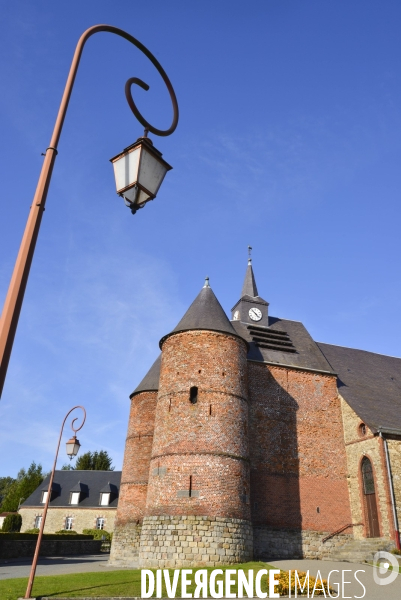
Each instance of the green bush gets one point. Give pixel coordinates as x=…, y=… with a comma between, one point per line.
x=98, y=534
x=46, y=536
x=12, y=522
x=33, y=530
x=66, y=531
x=395, y=551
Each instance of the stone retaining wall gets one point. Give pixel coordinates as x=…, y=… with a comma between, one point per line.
x=125, y=545
x=275, y=544
x=189, y=541
x=21, y=548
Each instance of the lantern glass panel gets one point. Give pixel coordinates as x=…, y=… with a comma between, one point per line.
x=151, y=172
x=126, y=169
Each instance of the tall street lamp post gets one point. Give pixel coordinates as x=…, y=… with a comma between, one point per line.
x=72, y=448
x=139, y=172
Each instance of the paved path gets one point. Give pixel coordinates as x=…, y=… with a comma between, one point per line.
x=346, y=572
x=58, y=565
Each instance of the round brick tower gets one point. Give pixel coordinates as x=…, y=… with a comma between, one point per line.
x=135, y=473
x=197, y=509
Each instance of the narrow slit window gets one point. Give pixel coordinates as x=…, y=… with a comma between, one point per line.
x=190, y=486
x=193, y=394
x=210, y=410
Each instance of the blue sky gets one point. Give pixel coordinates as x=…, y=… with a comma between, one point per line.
x=289, y=140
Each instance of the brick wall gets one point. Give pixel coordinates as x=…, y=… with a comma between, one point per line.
x=83, y=518
x=200, y=463
x=138, y=449
x=200, y=451
x=298, y=461
x=134, y=478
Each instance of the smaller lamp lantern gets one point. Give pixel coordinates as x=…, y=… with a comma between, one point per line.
x=73, y=447
x=139, y=171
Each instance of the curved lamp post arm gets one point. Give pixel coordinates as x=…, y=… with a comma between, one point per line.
x=16, y=290
x=48, y=498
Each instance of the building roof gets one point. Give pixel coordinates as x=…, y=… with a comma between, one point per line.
x=307, y=353
x=205, y=313
x=370, y=383
x=89, y=482
x=150, y=382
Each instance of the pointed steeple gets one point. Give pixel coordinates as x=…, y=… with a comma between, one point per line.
x=251, y=308
x=249, y=288
x=205, y=313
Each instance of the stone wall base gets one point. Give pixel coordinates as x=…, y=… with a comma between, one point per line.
x=277, y=544
x=188, y=541
x=125, y=545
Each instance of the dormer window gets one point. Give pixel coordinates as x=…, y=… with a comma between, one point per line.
x=44, y=497
x=74, y=498
x=104, y=499
x=108, y=494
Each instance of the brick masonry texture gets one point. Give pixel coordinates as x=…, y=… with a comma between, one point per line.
x=138, y=449
x=83, y=518
x=200, y=451
x=298, y=460
x=134, y=478
x=356, y=447
x=192, y=540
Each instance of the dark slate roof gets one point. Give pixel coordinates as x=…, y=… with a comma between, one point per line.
x=370, y=383
x=307, y=355
x=205, y=313
x=65, y=482
x=109, y=488
x=150, y=382
x=249, y=288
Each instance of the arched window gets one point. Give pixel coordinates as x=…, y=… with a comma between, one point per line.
x=367, y=477
x=369, y=495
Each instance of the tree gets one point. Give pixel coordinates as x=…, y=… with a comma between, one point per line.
x=22, y=487
x=94, y=461
x=12, y=522
x=5, y=484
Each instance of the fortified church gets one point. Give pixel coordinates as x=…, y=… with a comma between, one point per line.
x=248, y=439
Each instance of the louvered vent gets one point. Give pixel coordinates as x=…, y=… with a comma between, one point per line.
x=271, y=339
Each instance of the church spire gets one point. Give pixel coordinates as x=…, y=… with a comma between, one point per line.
x=249, y=288
x=251, y=308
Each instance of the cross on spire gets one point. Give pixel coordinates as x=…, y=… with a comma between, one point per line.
x=249, y=255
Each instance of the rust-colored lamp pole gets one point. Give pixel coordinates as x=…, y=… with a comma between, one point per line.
x=15, y=295
x=73, y=446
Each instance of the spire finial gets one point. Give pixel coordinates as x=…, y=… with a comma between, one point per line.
x=249, y=255
x=206, y=282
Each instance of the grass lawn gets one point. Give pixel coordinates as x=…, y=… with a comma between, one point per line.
x=125, y=583
x=109, y=583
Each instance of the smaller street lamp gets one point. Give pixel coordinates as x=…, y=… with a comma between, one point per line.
x=72, y=448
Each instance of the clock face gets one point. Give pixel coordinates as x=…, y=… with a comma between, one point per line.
x=255, y=314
